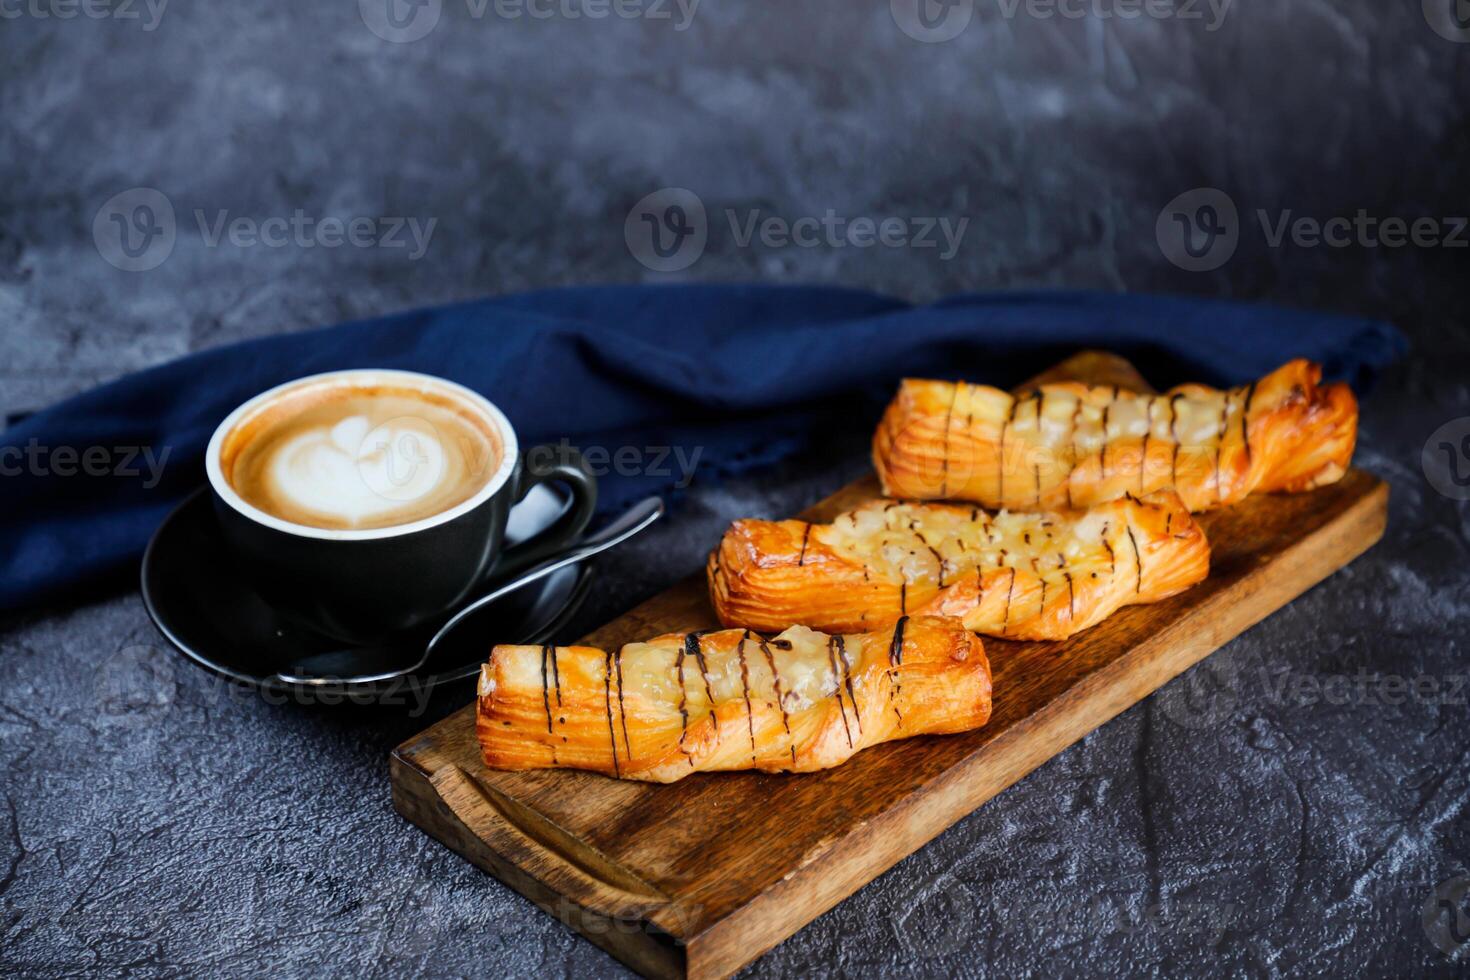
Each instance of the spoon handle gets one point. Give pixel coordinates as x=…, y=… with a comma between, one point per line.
x=644, y=513
x=638, y=517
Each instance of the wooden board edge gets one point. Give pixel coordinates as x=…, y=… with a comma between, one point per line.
x=826, y=878
x=830, y=876
x=635, y=942
x=838, y=870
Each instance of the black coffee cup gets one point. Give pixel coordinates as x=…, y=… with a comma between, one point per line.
x=364, y=585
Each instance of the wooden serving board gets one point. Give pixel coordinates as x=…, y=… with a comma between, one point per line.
x=700, y=877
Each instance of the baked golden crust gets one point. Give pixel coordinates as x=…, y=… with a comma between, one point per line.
x=698, y=702
x=1032, y=576
x=1071, y=445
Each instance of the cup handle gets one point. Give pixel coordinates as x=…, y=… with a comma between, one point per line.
x=551, y=464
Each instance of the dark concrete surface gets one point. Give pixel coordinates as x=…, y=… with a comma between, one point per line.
x=1283, y=809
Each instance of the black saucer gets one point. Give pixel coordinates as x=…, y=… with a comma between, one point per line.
x=198, y=600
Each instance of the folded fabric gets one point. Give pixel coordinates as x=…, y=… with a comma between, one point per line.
x=657, y=383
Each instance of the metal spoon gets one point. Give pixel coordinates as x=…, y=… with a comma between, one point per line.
x=635, y=519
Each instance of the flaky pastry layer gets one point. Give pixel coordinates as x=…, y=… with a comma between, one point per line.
x=732, y=699
x=1071, y=445
x=1033, y=576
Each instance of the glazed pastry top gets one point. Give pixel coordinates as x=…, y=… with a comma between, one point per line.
x=1073, y=445
x=732, y=699
x=1040, y=576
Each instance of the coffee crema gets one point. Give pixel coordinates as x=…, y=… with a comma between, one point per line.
x=352, y=456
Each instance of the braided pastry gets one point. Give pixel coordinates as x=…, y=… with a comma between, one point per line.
x=1027, y=576
x=1071, y=445
x=698, y=702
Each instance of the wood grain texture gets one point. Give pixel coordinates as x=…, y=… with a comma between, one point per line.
x=700, y=877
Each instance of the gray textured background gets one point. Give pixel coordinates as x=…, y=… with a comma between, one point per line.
x=154, y=824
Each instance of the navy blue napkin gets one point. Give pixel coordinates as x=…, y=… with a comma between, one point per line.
x=740, y=375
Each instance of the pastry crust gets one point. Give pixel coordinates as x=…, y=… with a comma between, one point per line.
x=698, y=702
x=1031, y=576
x=1071, y=445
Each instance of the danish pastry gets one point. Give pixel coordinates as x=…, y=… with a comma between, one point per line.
x=1032, y=576
x=1071, y=445
x=732, y=699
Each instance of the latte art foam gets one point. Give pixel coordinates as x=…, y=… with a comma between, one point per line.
x=357, y=459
